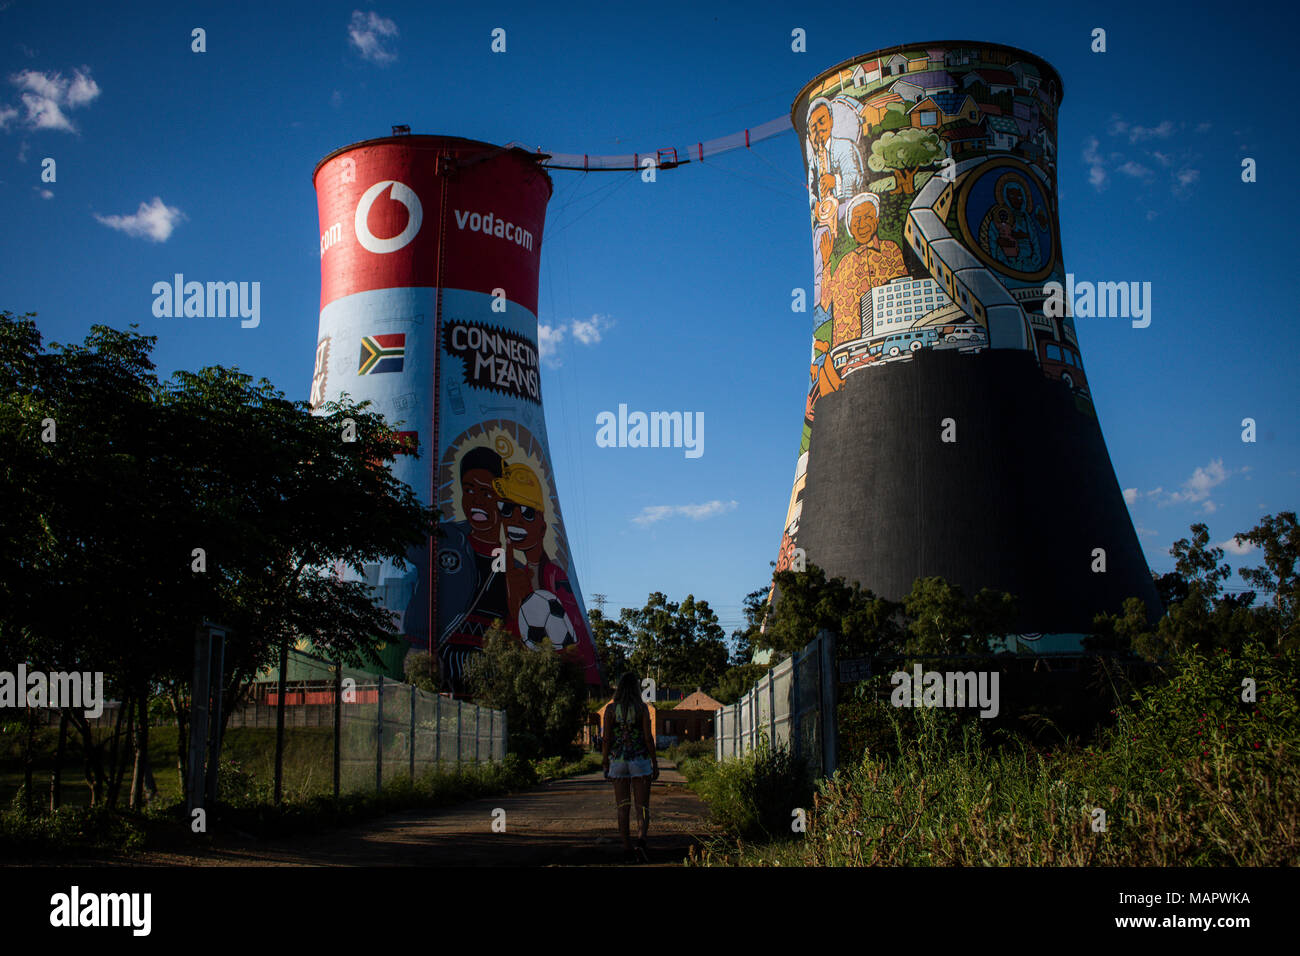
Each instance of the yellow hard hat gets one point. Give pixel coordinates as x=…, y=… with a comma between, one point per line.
x=520, y=485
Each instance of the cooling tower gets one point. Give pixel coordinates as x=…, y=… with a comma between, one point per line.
x=430, y=250
x=949, y=426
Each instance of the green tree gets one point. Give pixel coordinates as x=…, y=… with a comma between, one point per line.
x=421, y=670
x=543, y=694
x=806, y=602
x=904, y=152
x=676, y=644
x=611, y=640
x=160, y=505
x=1280, y=543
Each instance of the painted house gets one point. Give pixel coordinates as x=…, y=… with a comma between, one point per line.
x=998, y=81
x=1004, y=132
x=866, y=73
x=918, y=85
x=966, y=138
x=960, y=56
x=918, y=62
x=895, y=65
x=940, y=109
x=874, y=108
x=1026, y=74
x=1024, y=110
x=1043, y=140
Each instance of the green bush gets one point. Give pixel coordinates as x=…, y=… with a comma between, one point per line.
x=1190, y=775
x=753, y=796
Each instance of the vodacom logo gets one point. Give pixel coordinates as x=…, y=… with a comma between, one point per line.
x=401, y=193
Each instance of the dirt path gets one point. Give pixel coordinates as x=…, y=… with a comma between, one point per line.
x=566, y=822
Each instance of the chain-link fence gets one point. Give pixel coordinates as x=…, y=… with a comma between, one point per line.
x=347, y=730
x=793, y=705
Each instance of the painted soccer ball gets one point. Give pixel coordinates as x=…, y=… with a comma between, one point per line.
x=542, y=618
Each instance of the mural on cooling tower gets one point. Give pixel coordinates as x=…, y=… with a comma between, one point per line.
x=931, y=177
x=501, y=551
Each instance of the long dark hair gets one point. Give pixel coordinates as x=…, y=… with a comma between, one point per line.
x=627, y=699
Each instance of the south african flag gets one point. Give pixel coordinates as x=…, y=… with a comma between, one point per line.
x=382, y=353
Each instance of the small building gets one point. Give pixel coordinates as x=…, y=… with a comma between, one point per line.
x=691, y=719
x=940, y=109
x=1005, y=132
x=866, y=73
x=997, y=81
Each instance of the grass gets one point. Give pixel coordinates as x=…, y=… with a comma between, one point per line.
x=1189, y=775
x=245, y=803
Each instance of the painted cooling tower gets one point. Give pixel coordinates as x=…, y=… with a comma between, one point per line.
x=931, y=173
x=430, y=249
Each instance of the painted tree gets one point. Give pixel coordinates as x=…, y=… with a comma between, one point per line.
x=904, y=152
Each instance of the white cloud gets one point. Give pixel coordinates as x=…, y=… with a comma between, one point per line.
x=1232, y=547
x=1130, y=496
x=1146, y=532
x=1184, y=178
x=1096, y=165
x=1208, y=507
x=549, y=338
x=1137, y=134
x=47, y=95
x=588, y=332
x=1202, y=127
x=7, y=114
x=1136, y=170
x=153, y=220
x=1164, y=159
x=370, y=33
x=44, y=193
x=653, y=513
x=1198, y=487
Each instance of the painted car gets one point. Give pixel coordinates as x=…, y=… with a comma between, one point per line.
x=892, y=346
x=968, y=333
x=1062, y=362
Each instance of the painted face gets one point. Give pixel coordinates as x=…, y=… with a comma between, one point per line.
x=863, y=222
x=1015, y=198
x=479, y=502
x=525, y=526
x=819, y=126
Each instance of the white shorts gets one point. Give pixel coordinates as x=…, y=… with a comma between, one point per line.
x=643, y=767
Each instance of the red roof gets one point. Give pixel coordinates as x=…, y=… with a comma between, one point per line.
x=990, y=109
x=964, y=131
x=1005, y=77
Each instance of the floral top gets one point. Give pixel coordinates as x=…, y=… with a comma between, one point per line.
x=628, y=742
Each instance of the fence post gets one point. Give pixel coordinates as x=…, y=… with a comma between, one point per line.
x=437, y=732
x=338, y=722
x=477, y=710
x=828, y=688
x=771, y=708
x=492, y=739
x=279, y=722
x=460, y=710
x=379, y=738
x=410, y=744
x=796, y=726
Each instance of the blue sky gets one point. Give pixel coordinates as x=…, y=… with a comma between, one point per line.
x=673, y=295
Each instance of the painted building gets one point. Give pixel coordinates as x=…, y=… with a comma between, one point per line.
x=929, y=297
x=429, y=311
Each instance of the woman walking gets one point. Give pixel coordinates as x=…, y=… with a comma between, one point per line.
x=630, y=760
